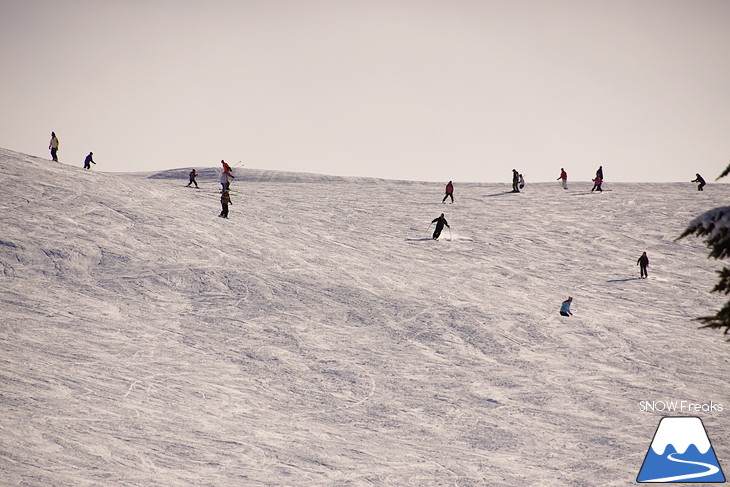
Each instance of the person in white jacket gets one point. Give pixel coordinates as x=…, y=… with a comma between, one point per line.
x=53, y=145
x=225, y=181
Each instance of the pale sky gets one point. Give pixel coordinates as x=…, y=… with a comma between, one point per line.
x=460, y=90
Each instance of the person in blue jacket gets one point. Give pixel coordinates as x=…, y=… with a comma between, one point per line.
x=565, y=308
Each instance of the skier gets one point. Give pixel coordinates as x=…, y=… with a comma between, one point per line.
x=699, y=180
x=522, y=182
x=226, y=167
x=226, y=176
x=89, y=161
x=225, y=201
x=53, y=145
x=597, y=184
x=449, y=192
x=565, y=307
x=643, y=263
x=564, y=178
x=515, y=181
x=440, y=222
x=192, y=177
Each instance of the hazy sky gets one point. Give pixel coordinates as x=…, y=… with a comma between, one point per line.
x=422, y=90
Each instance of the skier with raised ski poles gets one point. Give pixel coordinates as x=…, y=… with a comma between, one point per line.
x=226, y=176
x=449, y=192
x=440, y=222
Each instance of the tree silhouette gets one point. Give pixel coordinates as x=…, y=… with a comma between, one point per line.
x=715, y=226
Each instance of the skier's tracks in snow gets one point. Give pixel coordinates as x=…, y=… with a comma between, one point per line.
x=330, y=410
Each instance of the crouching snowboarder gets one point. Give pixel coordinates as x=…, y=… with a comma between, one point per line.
x=643, y=263
x=701, y=182
x=440, y=222
x=565, y=307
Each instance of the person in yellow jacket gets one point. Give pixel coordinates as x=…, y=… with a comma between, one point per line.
x=225, y=201
x=53, y=145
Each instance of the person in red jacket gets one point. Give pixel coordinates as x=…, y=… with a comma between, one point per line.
x=226, y=167
x=564, y=178
x=226, y=176
x=449, y=192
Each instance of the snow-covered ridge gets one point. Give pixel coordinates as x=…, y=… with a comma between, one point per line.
x=320, y=337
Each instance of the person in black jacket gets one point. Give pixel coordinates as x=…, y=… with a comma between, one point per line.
x=515, y=181
x=440, y=222
x=699, y=180
x=643, y=263
x=193, y=174
x=89, y=161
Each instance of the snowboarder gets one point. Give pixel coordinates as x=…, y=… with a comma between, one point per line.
x=699, y=180
x=563, y=178
x=225, y=201
x=565, y=307
x=643, y=263
x=515, y=181
x=53, y=145
x=440, y=222
x=89, y=161
x=449, y=192
x=597, y=184
x=522, y=182
x=192, y=177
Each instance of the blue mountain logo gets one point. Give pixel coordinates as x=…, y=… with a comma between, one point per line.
x=680, y=452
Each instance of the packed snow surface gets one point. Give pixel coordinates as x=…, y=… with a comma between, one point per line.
x=319, y=336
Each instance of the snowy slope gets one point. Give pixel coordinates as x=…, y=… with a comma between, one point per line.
x=320, y=337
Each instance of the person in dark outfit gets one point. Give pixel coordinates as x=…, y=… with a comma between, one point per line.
x=449, y=192
x=699, y=180
x=440, y=222
x=225, y=201
x=515, y=181
x=192, y=177
x=599, y=173
x=643, y=263
x=89, y=161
